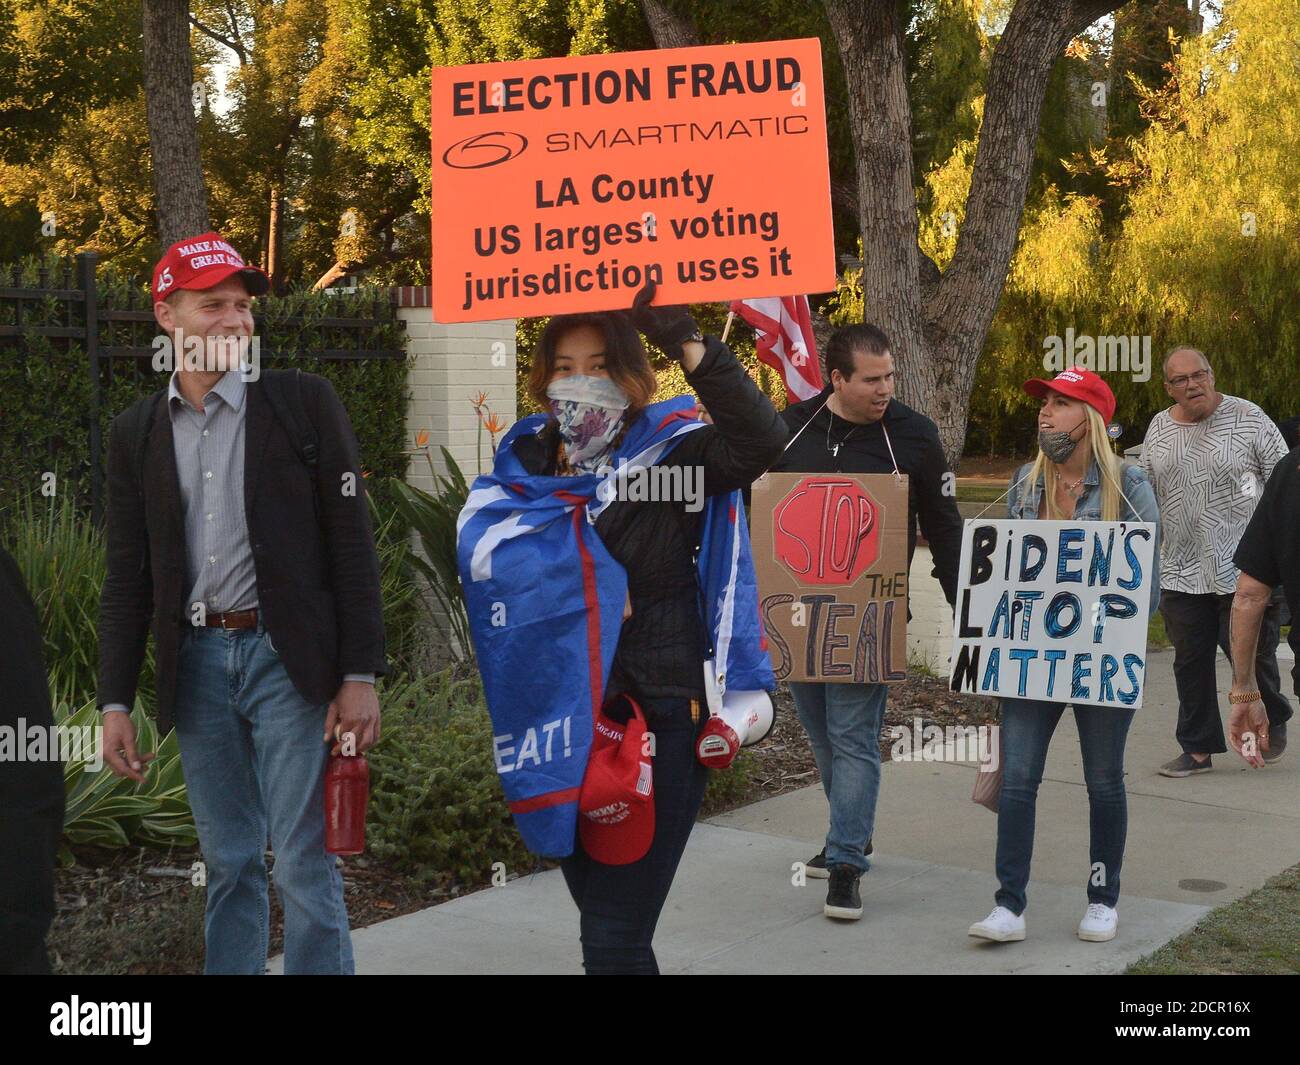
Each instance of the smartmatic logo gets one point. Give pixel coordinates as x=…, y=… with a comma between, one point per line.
x=102, y=1018
x=485, y=149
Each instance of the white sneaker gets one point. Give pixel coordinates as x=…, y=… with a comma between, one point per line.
x=1099, y=923
x=1001, y=926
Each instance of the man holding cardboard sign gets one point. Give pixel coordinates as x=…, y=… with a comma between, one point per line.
x=850, y=642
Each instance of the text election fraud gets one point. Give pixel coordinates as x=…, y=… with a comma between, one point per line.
x=541, y=91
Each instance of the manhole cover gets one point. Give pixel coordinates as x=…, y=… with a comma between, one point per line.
x=1202, y=885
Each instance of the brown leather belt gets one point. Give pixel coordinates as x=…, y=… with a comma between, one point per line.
x=235, y=619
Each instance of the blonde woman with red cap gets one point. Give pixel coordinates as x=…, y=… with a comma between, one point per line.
x=1076, y=476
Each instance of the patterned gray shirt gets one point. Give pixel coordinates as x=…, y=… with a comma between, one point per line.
x=1208, y=476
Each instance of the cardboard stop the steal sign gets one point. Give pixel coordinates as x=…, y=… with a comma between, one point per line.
x=830, y=553
x=564, y=185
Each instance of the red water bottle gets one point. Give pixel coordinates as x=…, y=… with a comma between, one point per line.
x=347, y=786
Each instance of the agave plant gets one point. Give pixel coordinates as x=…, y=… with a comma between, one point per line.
x=433, y=517
x=105, y=810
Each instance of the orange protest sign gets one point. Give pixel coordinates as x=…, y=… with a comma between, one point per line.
x=563, y=185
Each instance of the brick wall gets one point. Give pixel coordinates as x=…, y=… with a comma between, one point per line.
x=450, y=365
x=929, y=633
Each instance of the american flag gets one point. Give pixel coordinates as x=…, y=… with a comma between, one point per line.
x=783, y=327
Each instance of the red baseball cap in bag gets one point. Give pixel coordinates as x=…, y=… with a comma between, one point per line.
x=616, y=810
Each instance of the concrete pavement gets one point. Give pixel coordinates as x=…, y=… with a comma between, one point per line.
x=1193, y=844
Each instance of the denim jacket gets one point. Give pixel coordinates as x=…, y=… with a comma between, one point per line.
x=1140, y=505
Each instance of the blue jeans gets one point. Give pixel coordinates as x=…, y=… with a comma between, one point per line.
x=1027, y=727
x=252, y=755
x=620, y=904
x=843, y=723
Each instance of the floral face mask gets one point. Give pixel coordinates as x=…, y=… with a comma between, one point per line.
x=590, y=412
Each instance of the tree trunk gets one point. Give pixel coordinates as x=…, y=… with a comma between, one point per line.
x=274, y=235
x=937, y=324
x=181, y=197
x=669, y=29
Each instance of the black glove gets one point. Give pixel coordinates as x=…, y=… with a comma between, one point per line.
x=668, y=328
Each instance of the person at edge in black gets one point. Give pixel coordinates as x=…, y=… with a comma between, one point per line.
x=31, y=791
x=857, y=426
x=663, y=642
x=1268, y=554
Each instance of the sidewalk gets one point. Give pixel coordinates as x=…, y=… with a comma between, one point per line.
x=1193, y=844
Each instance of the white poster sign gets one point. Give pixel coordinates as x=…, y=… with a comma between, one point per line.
x=1053, y=610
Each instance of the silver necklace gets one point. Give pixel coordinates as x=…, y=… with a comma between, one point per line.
x=835, y=451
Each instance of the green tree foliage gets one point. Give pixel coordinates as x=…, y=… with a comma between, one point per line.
x=1136, y=224
x=1209, y=251
x=1185, y=231
x=946, y=54
x=72, y=130
x=59, y=58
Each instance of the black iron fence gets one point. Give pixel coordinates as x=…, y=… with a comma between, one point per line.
x=111, y=331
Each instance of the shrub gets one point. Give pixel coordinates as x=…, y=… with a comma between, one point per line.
x=433, y=517
x=46, y=384
x=436, y=804
x=62, y=559
x=405, y=636
x=729, y=786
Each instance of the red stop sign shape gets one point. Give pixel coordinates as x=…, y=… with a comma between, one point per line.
x=825, y=531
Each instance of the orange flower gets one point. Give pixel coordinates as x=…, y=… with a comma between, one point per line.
x=478, y=401
x=422, y=438
x=493, y=424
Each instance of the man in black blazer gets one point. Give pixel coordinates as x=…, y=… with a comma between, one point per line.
x=253, y=556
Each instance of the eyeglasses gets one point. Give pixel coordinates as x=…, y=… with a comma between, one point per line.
x=1199, y=377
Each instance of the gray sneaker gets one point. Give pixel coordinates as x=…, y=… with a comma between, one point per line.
x=1185, y=766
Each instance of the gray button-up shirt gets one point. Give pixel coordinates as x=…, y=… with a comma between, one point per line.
x=209, y=449
x=209, y=446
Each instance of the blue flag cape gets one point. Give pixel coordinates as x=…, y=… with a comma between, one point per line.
x=545, y=604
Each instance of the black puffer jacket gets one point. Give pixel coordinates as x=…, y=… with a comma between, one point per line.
x=662, y=646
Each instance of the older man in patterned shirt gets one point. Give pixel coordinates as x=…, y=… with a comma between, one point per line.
x=1208, y=457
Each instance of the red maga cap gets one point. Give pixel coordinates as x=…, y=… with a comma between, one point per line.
x=202, y=262
x=1077, y=384
x=616, y=809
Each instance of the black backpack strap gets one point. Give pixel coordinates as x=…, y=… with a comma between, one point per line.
x=283, y=390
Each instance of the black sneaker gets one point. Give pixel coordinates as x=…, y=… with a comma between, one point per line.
x=1276, y=743
x=843, y=900
x=1185, y=766
x=816, y=867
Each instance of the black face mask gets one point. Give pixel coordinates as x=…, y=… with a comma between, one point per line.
x=1058, y=445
